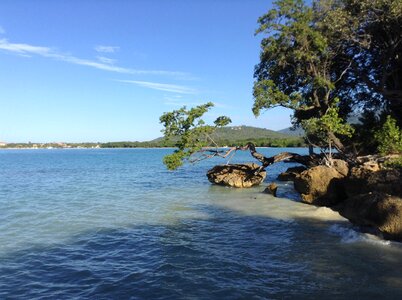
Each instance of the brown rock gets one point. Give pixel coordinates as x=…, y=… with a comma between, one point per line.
x=341, y=166
x=365, y=179
x=380, y=210
x=320, y=185
x=291, y=173
x=236, y=175
x=272, y=188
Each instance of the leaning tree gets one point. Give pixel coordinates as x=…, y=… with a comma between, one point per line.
x=194, y=140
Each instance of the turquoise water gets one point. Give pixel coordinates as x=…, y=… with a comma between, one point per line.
x=115, y=224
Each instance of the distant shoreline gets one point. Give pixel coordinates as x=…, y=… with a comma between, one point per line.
x=84, y=148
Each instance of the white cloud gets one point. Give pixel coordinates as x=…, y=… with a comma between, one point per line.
x=106, y=49
x=162, y=86
x=106, y=60
x=28, y=50
x=2, y=31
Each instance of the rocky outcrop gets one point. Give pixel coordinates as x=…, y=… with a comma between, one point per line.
x=375, y=209
x=237, y=175
x=369, y=177
x=322, y=185
x=291, y=173
x=368, y=194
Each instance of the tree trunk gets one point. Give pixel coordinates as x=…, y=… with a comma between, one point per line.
x=307, y=160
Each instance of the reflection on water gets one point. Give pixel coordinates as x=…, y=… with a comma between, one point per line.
x=116, y=224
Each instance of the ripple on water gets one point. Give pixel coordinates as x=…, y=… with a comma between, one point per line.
x=105, y=224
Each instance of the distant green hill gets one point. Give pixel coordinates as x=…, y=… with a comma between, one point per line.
x=240, y=135
x=289, y=131
x=247, y=132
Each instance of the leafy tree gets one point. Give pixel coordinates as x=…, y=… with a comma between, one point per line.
x=193, y=133
x=297, y=62
x=320, y=127
x=346, y=49
x=369, y=33
x=389, y=137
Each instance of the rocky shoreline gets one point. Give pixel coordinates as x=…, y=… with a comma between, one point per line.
x=367, y=193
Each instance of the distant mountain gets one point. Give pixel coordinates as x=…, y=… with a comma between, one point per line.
x=289, y=131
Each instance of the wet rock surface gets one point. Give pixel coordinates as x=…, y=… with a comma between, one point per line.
x=382, y=211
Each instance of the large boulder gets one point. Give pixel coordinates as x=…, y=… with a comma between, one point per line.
x=236, y=175
x=320, y=185
x=367, y=178
x=291, y=173
x=379, y=210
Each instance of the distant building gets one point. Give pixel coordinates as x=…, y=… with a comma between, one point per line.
x=2, y=144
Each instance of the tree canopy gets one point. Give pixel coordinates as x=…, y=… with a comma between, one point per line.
x=313, y=55
x=322, y=60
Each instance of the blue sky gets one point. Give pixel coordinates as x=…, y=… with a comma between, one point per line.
x=100, y=70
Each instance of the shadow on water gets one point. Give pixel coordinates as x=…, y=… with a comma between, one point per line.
x=223, y=255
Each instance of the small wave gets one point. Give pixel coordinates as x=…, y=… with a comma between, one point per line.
x=349, y=235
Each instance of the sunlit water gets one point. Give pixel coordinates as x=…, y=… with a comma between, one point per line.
x=115, y=224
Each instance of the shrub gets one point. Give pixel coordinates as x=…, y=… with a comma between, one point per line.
x=389, y=137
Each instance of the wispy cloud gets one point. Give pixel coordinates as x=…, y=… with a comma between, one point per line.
x=173, y=88
x=106, y=60
x=29, y=50
x=106, y=49
x=2, y=31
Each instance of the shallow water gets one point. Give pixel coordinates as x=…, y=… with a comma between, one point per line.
x=113, y=223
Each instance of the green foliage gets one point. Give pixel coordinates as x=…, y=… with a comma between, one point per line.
x=325, y=129
x=298, y=66
x=190, y=130
x=295, y=61
x=394, y=163
x=389, y=137
x=362, y=141
x=370, y=36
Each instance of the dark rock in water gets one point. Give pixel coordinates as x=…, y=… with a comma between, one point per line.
x=272, y=188
x=320, y=185
x=291, y=173
x=375, y=209
x=236, y=175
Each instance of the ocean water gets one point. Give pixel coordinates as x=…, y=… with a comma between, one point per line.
x=115, y=224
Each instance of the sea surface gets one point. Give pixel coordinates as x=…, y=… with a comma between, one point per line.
x=115, y=224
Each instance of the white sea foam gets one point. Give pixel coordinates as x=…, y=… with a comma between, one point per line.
x=349, y=235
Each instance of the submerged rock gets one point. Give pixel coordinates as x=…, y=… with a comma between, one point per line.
x=236, y=175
